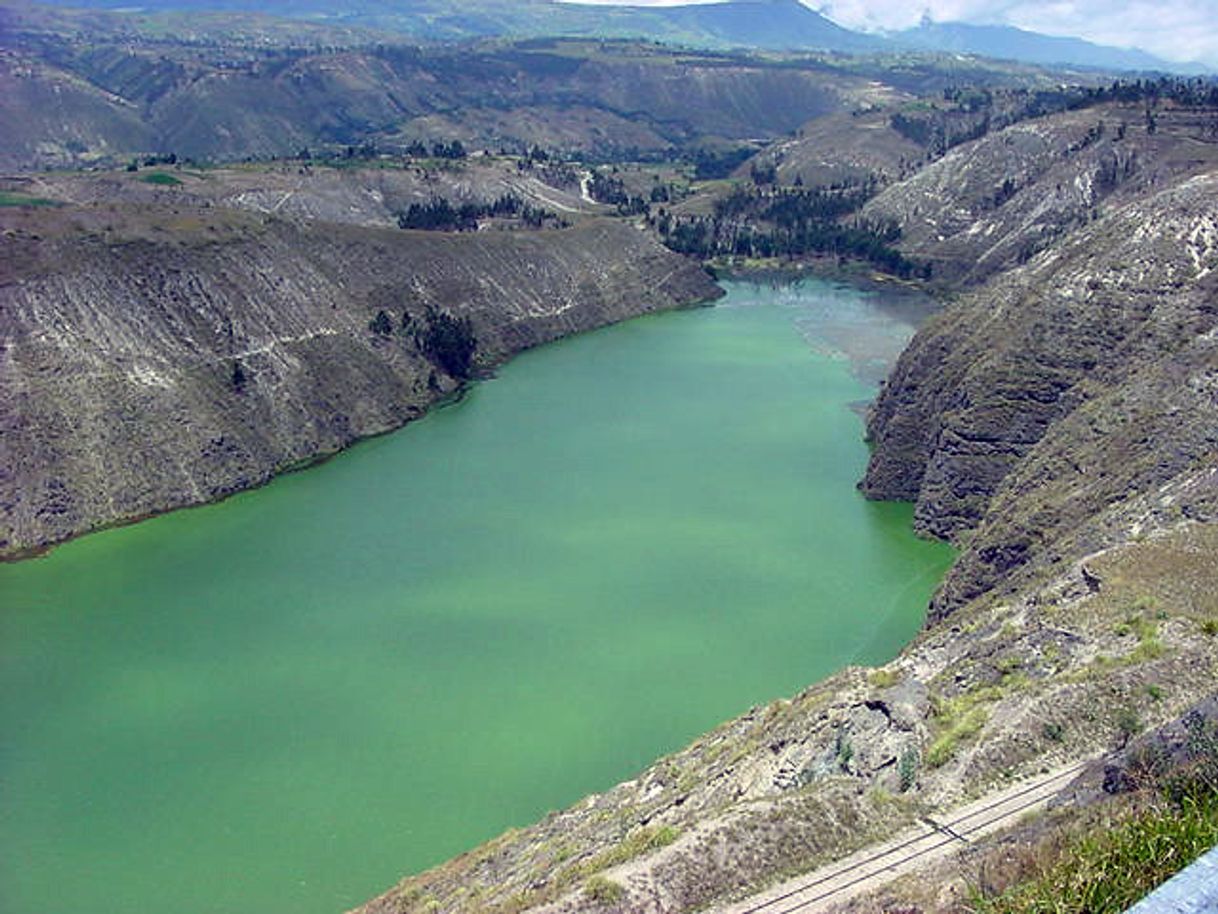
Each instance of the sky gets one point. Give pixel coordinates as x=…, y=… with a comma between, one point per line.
x=1179, y=30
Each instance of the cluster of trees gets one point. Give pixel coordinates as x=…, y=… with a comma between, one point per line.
x=792, y=222
x=453, y=150
x=439, y=215
x=860, y=240
x=938, y=132
x=1198, y=92
x=446, y=341
x=787, y=207
x=972, y=113
x=166, y=158
x=711, y=164
x=605, y=188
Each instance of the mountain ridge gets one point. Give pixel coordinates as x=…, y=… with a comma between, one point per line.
x=756, y=24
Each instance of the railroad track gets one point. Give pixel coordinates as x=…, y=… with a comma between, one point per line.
x=848, y=877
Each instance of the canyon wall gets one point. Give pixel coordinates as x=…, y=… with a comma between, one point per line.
x=159, y=358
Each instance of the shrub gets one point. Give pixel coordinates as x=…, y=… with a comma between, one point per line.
x=381, y=324
x=1128, y=723
x=907, y=768
x=604, y=890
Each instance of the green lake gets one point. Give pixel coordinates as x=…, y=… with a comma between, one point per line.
x=286, y=701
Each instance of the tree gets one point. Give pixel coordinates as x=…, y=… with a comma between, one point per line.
x=448, y=342
x=381, y=324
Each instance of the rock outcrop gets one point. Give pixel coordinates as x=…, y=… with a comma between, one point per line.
x=160, y=357
x=1062, y=395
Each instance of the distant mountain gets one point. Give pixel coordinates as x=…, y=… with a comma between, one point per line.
x=1007, y=42
x=779, y=25
x=766, y=24
x=775, y=24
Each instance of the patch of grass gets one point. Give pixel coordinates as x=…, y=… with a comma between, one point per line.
x=1105, y=871
x=1129, y=724
x=960, y=719
x=161, y=178
x=1151, y=649
x=638, y=842
x=961, y=729
x=845, y=751
x=1140, y=626
x=883, y=679
x=8, y=198
x=1147, y=632
x=603, y=890
x=1209, y=627
x=957, y=721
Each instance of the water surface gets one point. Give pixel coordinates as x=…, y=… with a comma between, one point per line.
x=285, y=701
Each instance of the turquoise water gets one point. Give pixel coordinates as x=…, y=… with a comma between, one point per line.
x=286, y=701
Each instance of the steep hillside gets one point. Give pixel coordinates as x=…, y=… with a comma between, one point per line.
x=991, y=204
x=161, y=357
x=1063, y=394
x=233, y=102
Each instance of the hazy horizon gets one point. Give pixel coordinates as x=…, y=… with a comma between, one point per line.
x=1182, y=31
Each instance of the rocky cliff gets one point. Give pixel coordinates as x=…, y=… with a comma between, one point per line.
x=1032, y=419
x=156, y=357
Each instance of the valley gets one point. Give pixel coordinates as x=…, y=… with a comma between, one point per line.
x=232, y=246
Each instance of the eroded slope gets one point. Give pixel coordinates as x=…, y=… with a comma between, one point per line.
x=161, y=357
x=1074, y=384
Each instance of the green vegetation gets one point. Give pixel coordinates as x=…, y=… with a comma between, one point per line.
x=161, y=178
x=447, y=341
x=790, y=222
x=9, y=198
x=883, y=679
x=603, y=890
x=1105, y=870
x=907, y=768
x=1129, y=724
x=957, y=721
x=381, y=324
x=441, y=216
x=1146, y=631
x=845, y=751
